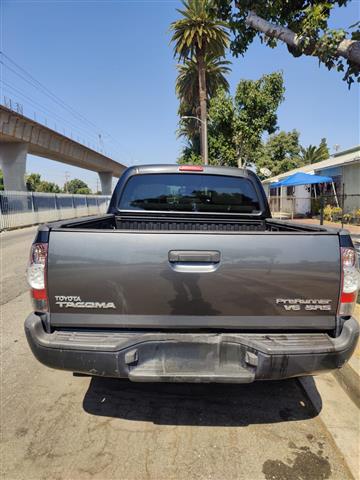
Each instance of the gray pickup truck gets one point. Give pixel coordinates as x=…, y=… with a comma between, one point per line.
x=187, y=278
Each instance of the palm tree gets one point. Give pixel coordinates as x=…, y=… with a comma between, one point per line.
x=187, y=89
x=187, y=82
x=313, y=154
x=189, y=126
x=198, y=33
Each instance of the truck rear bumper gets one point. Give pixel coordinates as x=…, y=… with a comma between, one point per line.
x=191, y=357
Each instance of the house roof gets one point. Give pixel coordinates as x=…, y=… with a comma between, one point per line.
x=345, y=157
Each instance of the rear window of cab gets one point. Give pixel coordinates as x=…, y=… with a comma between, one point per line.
x=189, y=193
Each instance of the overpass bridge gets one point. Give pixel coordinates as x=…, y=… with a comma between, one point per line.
x=20, y=135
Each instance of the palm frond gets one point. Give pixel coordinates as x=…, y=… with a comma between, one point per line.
x=198, y=29
x=187, y=83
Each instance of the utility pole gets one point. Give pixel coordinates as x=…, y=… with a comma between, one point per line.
x=67, y=178
x=204, y=142
x=203, y=136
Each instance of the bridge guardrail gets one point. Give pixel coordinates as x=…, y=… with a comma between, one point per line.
x=20, y=209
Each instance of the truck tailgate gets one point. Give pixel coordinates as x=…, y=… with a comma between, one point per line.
x=246, y=281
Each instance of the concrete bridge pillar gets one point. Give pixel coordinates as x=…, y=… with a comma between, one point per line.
x=13, y=164
x=106, y=182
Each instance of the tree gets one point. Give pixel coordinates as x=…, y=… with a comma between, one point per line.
x=33, y=181
x=303, y=25
x=238, y=124
x=187, y=89
x=48, y=187
x=257, y=102
x=223, y=130
x=77, y=186
x=196, y=34
x=189, y=156
x=313, y=154
x=35, y=184
x=280, y=153
x=187, y=82
x=84, y=191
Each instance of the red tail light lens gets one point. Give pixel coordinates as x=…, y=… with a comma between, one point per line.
x=36, y=276
x=191, y=168
x=350, y=281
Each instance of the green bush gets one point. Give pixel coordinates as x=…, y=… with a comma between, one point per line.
x=332, y=213
x=328, y=212
x=347, y=217
x=357, y=217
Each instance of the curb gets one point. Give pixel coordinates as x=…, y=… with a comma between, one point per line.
x=348, y=376
x=349, y=379
x=337, y=413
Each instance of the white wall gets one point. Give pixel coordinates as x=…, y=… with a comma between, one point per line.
x=351, y=179
x=302, y=200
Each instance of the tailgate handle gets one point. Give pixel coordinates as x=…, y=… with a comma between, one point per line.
x=194, y=256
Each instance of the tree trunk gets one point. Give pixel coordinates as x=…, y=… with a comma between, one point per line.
x=349, y=49
x=203, y=107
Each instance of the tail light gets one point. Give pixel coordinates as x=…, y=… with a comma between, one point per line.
x=350, y=281
x=36, y=276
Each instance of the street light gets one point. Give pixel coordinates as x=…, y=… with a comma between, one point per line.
x=205, y=134
x=187, y=117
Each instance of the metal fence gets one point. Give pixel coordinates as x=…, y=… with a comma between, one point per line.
x=19, y=209
x=343, y=208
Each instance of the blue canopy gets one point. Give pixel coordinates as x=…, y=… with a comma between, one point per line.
x=301, y=179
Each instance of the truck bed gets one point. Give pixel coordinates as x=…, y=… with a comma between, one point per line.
x=160, y=222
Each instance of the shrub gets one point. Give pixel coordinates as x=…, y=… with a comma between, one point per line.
x=328, y=212
x=357, y=216
x=337, y=212
x=347, y=218
x=332, y=213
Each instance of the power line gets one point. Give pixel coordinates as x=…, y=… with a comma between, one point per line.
x=55, y=98
x=48, y=92
x=29, y=82
x=43, y=89
x=93, y=136
x=90, y=136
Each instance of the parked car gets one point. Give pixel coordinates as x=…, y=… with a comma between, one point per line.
x=187, y=278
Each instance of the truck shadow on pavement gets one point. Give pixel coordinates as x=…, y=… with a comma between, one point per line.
x=201, y=404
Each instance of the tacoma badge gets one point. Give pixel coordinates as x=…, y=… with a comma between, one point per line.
x=76, y=302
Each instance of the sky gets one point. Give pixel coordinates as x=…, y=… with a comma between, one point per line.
x=112, y=62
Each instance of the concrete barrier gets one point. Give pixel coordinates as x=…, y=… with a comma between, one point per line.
x=20, y=209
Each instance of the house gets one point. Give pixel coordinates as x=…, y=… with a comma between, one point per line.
x=343, y=167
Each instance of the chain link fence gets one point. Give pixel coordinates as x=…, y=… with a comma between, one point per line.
x=343, y=208
x=20, y=209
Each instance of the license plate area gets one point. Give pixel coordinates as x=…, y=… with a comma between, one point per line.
x=213, y=361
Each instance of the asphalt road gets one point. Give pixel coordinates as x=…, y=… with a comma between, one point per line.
x=58, y=426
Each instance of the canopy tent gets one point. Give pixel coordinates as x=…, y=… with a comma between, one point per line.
x=301, y=179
